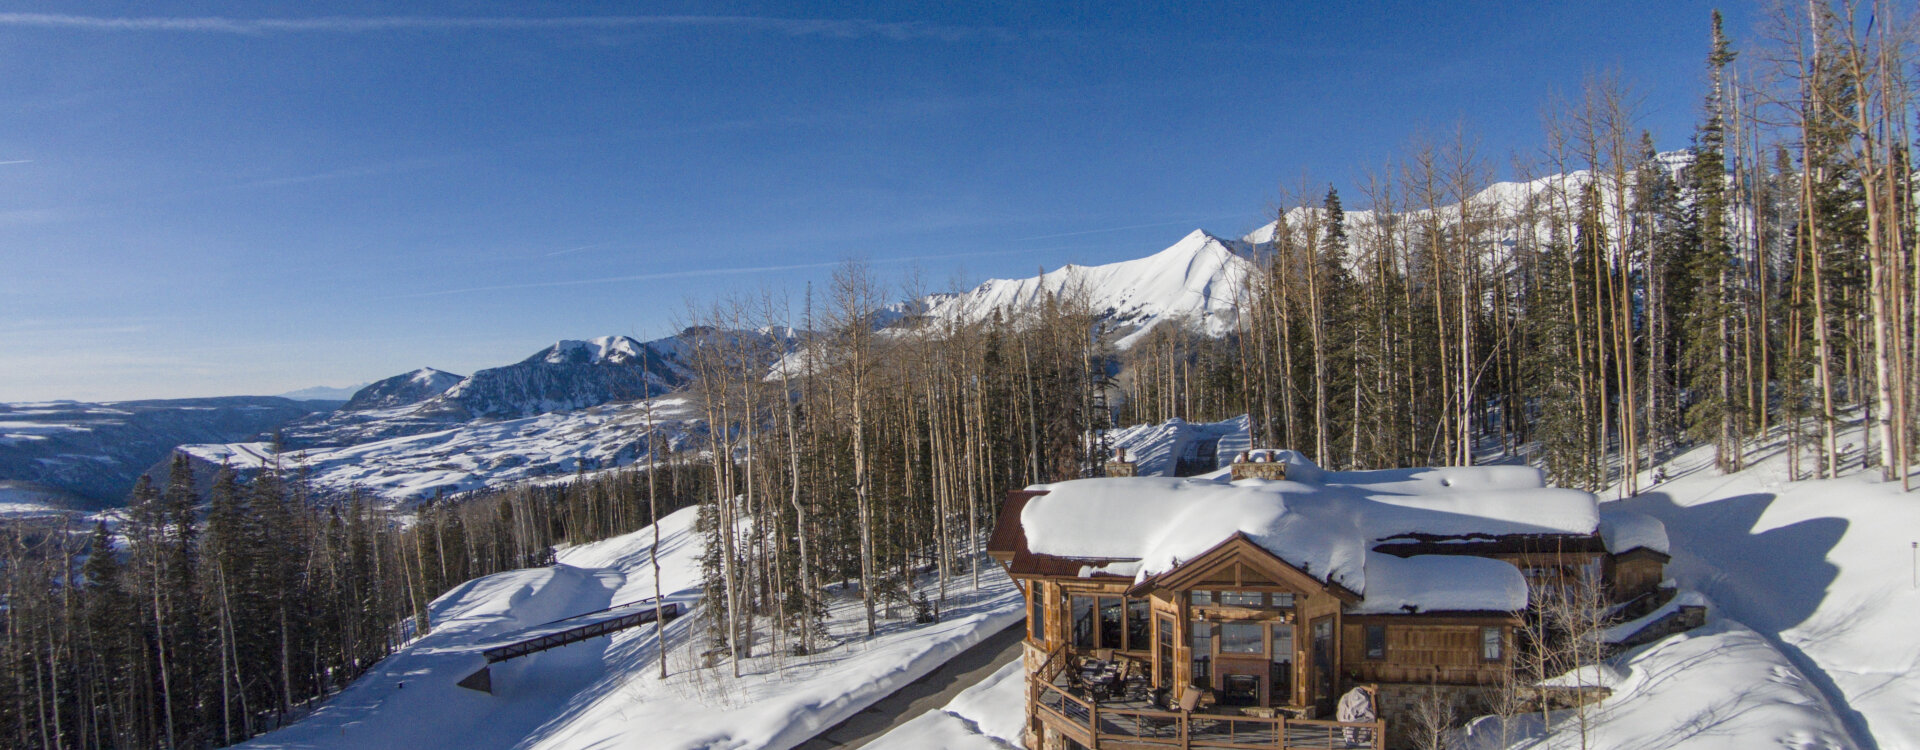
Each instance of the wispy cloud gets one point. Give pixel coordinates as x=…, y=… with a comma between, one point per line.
x=572, y=250
x=850, y=28
x=701, y=272
x=365, y=170
x=17, y=161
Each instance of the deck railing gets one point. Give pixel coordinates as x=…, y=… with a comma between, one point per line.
x=1094, y=725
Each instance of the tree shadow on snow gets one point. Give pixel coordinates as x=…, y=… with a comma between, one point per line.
x=1771, y=581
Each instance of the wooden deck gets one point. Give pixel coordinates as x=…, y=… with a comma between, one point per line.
x=1134, y=725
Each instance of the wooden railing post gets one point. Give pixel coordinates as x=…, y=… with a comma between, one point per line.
x=1093, y=724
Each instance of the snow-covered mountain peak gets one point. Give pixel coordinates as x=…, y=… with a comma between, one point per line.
x=616, y=350
x=404, y=389
x=429, y=376
x=1197, y=278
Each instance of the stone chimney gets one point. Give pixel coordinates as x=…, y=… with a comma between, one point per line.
x=1259, y=463
x=1120, y=466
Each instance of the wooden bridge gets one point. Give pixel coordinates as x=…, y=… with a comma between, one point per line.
x=568, y=630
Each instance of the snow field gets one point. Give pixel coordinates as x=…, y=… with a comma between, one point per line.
x=606, y=693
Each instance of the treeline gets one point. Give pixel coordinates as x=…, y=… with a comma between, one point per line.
x=199, y=622
x=873, y=455
x=1617, y=307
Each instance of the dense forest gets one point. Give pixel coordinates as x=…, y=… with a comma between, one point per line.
x=1612, y=307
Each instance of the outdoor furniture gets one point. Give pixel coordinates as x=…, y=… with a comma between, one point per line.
x=1100, y=676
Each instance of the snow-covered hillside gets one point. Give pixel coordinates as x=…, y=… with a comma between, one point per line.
x=471, y=455
x=1823, y=570
x=607, y=693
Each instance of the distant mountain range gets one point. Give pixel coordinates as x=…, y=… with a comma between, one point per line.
x=582, y=404
x=95, y=450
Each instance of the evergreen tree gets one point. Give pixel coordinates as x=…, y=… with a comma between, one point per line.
x=1714, y=414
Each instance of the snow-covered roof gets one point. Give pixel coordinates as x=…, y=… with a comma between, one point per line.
x=1323, y=523
x=1626, y=530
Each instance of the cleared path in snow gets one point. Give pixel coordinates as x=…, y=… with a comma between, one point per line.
x=928, y=693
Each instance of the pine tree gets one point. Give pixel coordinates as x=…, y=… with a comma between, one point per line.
x=1714, y=416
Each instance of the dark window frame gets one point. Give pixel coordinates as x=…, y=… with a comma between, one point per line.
x=1375, y=643
x=1083, y=632
x=1498, y=643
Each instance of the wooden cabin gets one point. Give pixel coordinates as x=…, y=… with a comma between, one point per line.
x=1234, y=611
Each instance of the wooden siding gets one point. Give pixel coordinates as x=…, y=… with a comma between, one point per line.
x=1447, y=654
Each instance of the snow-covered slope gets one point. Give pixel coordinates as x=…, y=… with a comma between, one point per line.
x=1199, y=279
x=607, y=693
x=1824, y=570
x=470, y=455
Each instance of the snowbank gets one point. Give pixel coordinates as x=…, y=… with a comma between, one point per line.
x=987, y=716
x=1721, y=687
x=1824, y=569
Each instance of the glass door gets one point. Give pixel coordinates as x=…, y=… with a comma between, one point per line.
x=1323, y=664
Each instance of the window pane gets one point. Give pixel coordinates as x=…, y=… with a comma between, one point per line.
x=1112, y=621
x=1283, y=643
x=1083, y=622
x=1376, y=641
x=1282, y=601
x=1241, y=638
x=1200, y=639
x=1242, y=599
x=1200, y=598
x=1165, y=652
x=1138, y=624
x=1280, y=665
x=1490, y=644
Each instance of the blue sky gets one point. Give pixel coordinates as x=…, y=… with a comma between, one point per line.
x=252, y=198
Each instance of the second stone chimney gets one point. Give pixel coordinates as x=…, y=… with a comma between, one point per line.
x=1120, y=466
x=1259, y=463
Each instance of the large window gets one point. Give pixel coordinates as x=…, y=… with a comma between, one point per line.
x=1200, y=640
x=1242, y=638
x=1139, y=622
x=1113, y=622
x=1253, y=599
x=1083, y=622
